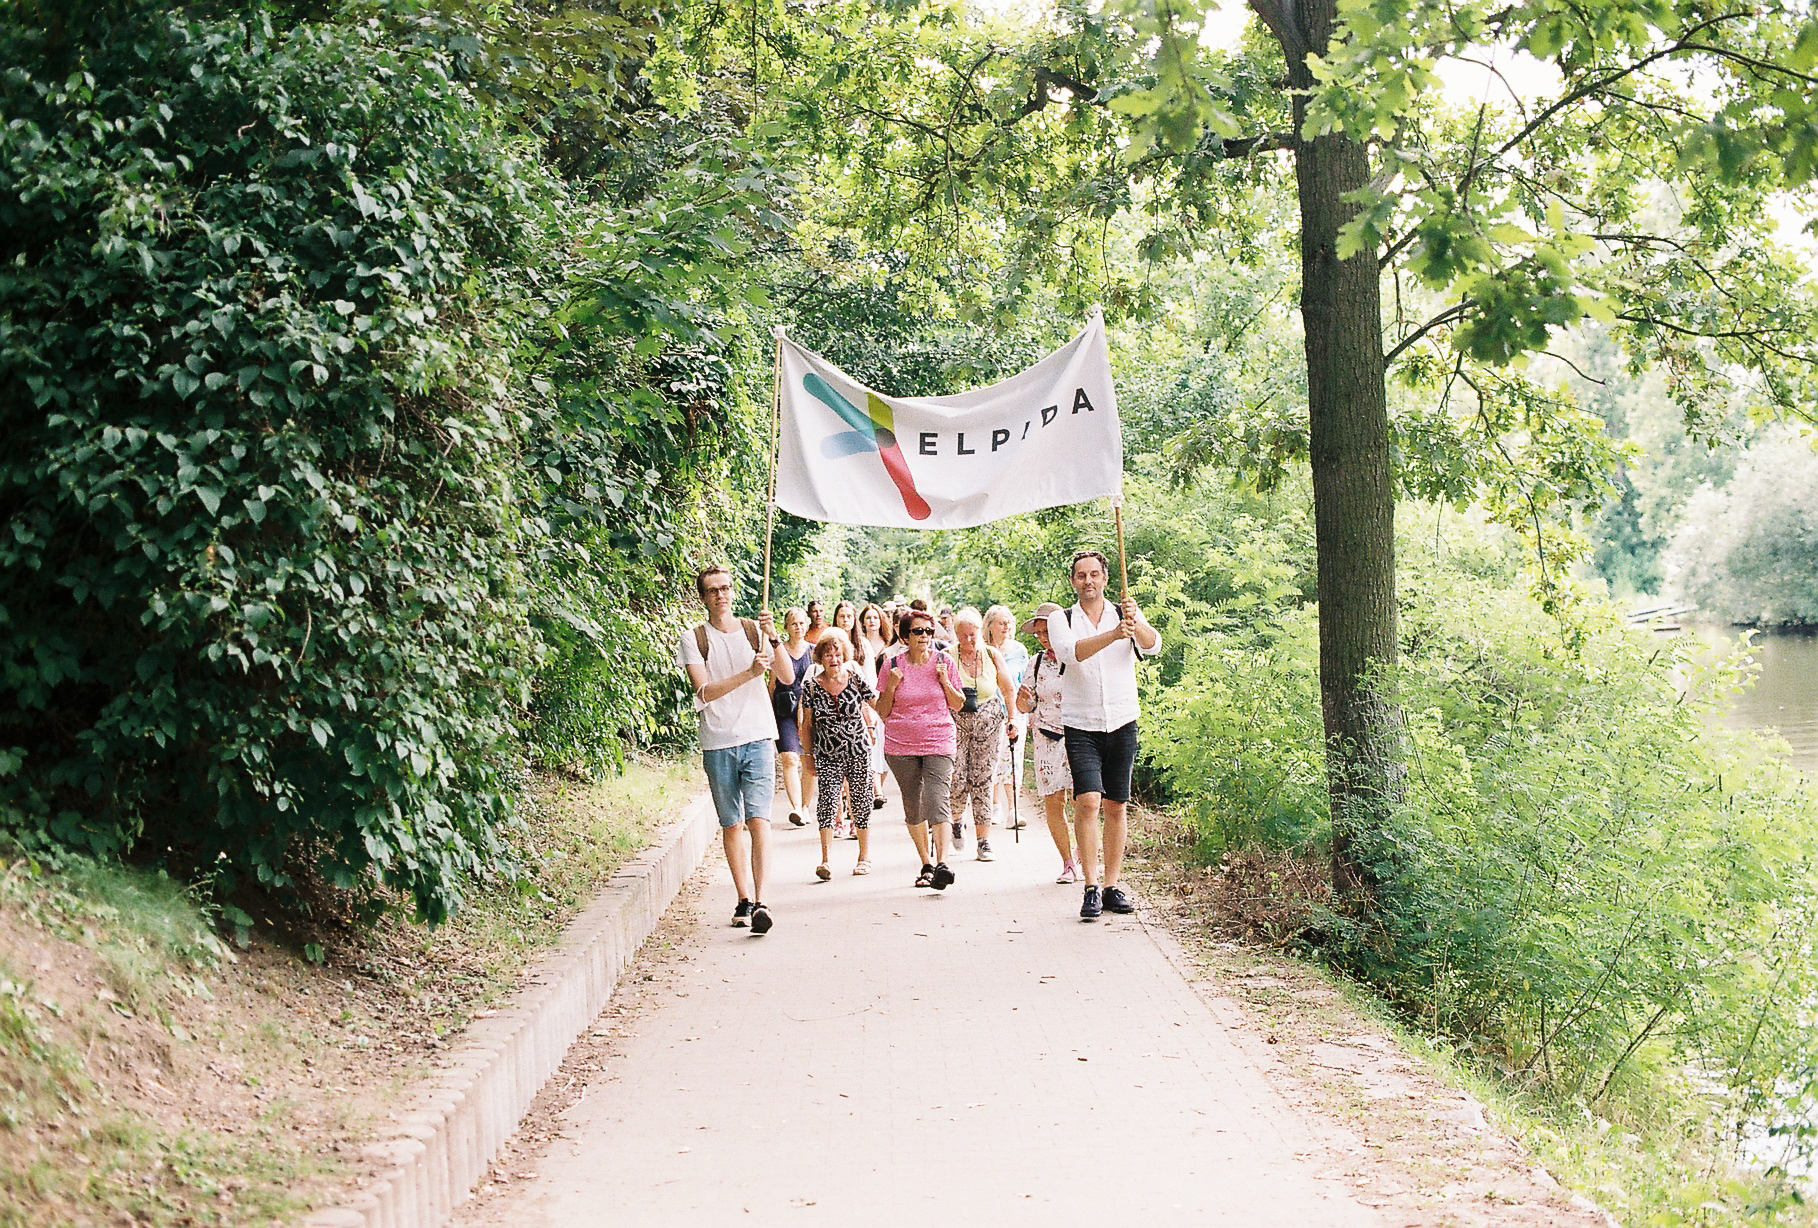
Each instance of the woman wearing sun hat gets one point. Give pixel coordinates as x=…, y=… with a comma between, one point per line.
x=1040, y=697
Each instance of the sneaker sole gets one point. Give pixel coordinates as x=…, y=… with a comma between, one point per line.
x=941, y=881
x=760, y=924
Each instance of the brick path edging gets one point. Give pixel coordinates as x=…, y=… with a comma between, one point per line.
x=461, y=1115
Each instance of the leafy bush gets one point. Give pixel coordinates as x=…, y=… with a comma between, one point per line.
x=1748, y=551
x=644, y=405
x=1587, y=882
x=1239, y=745
x=260, y=598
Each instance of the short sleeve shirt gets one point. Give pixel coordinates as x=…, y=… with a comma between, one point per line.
x=743, y=714
x=838, y=719
x=920, y=722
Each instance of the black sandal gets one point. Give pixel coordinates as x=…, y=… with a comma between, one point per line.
x=926, y=877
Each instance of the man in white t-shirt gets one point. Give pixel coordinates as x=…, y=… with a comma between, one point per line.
x=726, y=659
x=1099, y=644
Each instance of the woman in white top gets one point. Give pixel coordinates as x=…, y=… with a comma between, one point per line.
x=1040, y=697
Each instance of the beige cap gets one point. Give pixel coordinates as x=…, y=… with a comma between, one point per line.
x=1041, y=614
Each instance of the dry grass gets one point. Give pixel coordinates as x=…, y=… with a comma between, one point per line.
x=150, y=1074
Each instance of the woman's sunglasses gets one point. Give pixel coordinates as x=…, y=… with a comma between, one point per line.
x=921, y=631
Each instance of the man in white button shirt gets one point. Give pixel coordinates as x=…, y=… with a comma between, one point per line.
x=1099, y=644
x=726, y=659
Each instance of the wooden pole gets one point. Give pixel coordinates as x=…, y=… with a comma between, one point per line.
x=776, y=411
x=1123, y=574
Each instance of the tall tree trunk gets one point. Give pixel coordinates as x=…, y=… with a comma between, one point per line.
x=1353, y=491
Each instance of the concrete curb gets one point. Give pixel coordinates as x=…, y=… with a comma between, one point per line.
x=432, y=1155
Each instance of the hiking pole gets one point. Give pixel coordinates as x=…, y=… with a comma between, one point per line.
x=1016, y=786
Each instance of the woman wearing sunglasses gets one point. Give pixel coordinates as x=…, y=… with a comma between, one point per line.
x=918, y=693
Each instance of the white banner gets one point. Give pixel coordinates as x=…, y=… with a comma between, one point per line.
x=1042, y=438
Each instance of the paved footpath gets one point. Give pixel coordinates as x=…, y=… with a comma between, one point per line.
x=888, y=1055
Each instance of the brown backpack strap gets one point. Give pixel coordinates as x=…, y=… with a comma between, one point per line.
x=701, y=641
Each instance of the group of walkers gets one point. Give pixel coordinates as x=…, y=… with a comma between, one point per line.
x=945, y=701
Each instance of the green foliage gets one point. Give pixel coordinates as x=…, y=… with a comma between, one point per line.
x=1238, y=745
x=1587, y=885
x=638, y=416
x=1747, y=552
x=261, y=601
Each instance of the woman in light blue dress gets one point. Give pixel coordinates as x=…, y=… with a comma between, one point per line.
x=1000, y=623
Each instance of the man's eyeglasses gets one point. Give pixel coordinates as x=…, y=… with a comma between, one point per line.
x=921, y=631
x=714, y=589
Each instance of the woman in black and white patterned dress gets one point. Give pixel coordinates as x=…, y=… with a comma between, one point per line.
x=834, y=736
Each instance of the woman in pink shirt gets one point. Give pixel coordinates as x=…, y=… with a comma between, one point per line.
x=918, y=693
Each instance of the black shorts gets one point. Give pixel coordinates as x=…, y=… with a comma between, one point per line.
x=1102, y=762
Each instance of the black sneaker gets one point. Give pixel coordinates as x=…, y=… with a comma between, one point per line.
x=742, y=913
x=877, y=803
x=1116, y=901
x=1089, y=908
x=942, y=877
x=760, y=919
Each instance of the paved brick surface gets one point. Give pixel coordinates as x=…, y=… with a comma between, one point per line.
x=888, y=1056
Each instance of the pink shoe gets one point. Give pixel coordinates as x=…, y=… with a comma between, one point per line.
x=1069, y=873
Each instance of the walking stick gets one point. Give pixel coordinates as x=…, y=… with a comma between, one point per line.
x=1016, y=786
x=776, y=412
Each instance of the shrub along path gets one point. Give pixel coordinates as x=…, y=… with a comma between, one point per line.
x=888, y=1055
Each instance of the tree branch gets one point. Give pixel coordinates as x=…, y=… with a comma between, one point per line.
x=1243, y=147
x=1454, y=312
x=1586, y=90
x=1279, y=17
x=1079, y=89
x=1589, y=379
x=1764, y=67
x=1752, y=336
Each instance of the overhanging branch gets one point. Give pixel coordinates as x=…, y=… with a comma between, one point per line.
x=1454, y=312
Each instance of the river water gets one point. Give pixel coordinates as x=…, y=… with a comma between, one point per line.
x=1784, y=698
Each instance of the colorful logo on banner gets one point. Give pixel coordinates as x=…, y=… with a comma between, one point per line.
x=871, y=432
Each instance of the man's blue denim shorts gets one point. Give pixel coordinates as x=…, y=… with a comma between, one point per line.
x=742, y=780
